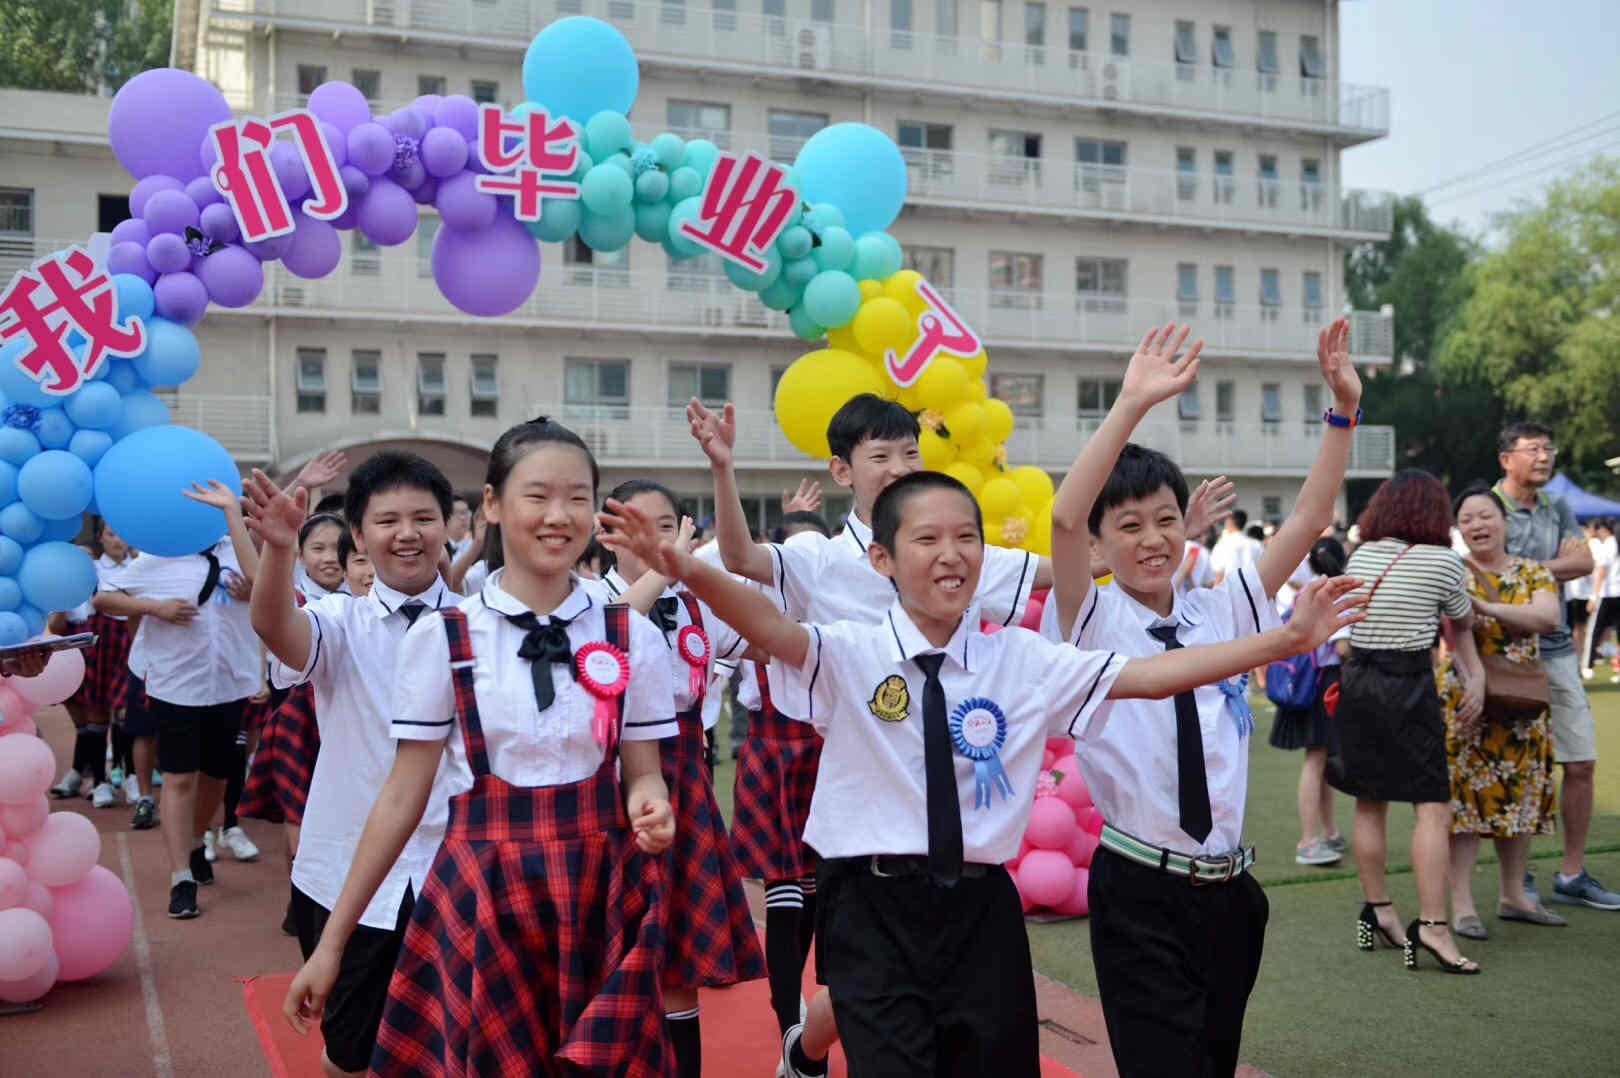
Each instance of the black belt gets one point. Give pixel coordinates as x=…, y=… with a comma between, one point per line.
x=903, y=864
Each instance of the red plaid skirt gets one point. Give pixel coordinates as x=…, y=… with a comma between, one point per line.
x=106, y=667
x=776, y=776
x=710, y=937
x=278, y=783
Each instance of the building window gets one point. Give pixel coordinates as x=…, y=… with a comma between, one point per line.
x=1035, y=32
x=789, y=130
x=427, y=226
x=1310, y=185
x=990, y=27
x=900, y=24
x=1119, y=34
x=311, y=383
x=1100, y=283
x=673, y=12
x=821, y=10
x=364, y=258
x=603, y=269
x=1225, y=291
x=937, y=264
x=365, y=381
x=1225, y=176
x=776, y=380
x=111, y=211
x=1079, y=24
x=701, y=119
x=485, y=387
x=1270, y=292
x=1225, y=402
x=368, y=81
x=774, y=9
x=486, y=91
x=1016, y=157
x=1015, y=279
x=309, y=77
x=1187, y=284
x=709, y=383
x=1271, y=508
x=430, y=383
x=1269, y=181
x=1313, y=403
x=926, y=146
x=1222, y=55
x=1023, y=393
x=1266, y=56
x=1095, y=396
x=1312, y=294
x=1187, y=407
x=1310, y=57
x=1186, y=173
x=1271, y=403
x=1186, y=43
x=1100, y=170
x=432, y=84
x=945, y=21
x=597, y=388
x=17, y=213
x=725, y=14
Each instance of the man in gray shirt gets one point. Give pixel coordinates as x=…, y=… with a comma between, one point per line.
x=1541, y=527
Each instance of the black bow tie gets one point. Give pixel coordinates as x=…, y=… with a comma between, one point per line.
x=543, y=644
x=663, y=613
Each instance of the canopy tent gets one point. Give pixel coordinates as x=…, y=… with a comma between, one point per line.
x=1584, y=505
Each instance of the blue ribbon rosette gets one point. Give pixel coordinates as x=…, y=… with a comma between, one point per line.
x=1236, y=692
x=978, y=730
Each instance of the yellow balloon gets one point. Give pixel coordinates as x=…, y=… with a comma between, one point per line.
x=881, y=324
x=977, y=391
x=999, y=497
x=902, y=288
x=871, y=290
x=943, y=385
x=1014, y=531
x=907, y=397
x=1034, y=485
x=966, y=474
x=976, y=365
x=979, y=453
x=965, y=422
x=937, y=453
x=843, y=339
x=998, y=420
x=813, y=389
x=1040, y=532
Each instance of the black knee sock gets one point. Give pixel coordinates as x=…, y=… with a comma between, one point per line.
x=807, y=926
x=804, y=1064
x=90, y=752
x=123, y=749
x=784, y=959
x=233, y=785
x=687, y=1039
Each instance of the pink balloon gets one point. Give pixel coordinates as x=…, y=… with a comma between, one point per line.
x=39, y=900
x=16, y=850
x=1066, y=762
x=25, y=943
x=1081, y=848
x=26, y=767
x=1060, y=746
x=31, y=988
x=989, y=628
x=1072, y=789
x=1093, y=823
x=1024, y=902
x=18, y=724
x=64, y=850
x=23, y=820
x=93, y=922
x=60, y=679
x=1046, y=760
x=13, y=704
x=1032, y=614
x=1078, y=902
x=1045, y=877
x=1051, y=824
x=13, y=884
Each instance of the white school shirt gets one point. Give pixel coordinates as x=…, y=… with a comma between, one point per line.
x=525, y=748
x=477, y=574
x=212, y=659
x=1201, y=572
x=1127, y=753
x=871, y=792
x=724, y=643
x=353, y=643
x=825, y=580
x=108, y=575
x=1234, y=551
x=1609, y=557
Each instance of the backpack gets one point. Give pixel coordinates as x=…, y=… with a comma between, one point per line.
x=1291, y=682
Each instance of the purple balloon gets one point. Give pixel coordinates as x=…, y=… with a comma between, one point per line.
x=133, y=230
x=203, y=193
x=208, y=153
x=130, y=257
x=387, y=213
x=426, y=192
x=340, y=105
x=271, y=249
x=336, y=141
x=169, y=211
x=289, y=167
x=428, y=103
x=410, y=176
x=143, y=191
x=168, y=253
x=158, y=121
x=407, y=121
x=489, y=272
x=474, y=163
x=458, y=112
x=316, y=248
x=443, y=152
x=181, y=298
x=218, y=223
x=462, y=205
x=371, y=148
x=344, y=221
x=355, y=182
x=232, y=276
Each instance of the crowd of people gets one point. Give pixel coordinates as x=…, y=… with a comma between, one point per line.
x=488, y=725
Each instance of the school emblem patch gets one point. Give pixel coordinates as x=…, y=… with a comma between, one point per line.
x=891, y=699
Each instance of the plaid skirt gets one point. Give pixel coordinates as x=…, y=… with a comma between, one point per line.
x=278, y=783
x=106, y=667
x=536, y=945
x=776, y=776
x=709, y=931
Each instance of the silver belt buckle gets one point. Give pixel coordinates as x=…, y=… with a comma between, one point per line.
x=1227, y=864
x=876, y=871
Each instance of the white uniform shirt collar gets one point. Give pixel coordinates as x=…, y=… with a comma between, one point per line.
x=502, y=602
x=855, y=531
x=908, y=642
x=387, y=599
x=1181, y=612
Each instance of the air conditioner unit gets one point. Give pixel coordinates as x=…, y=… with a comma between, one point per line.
x=1110, y=82
x=292, y=295
x=811, y=48
x=1079, y=61
x=381, y=12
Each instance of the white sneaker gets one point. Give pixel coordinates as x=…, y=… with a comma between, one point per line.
x=241, y=847
x=1586, y=672
x=208, y=845
x=103, y=796
x=69, y=786
x=132, y=790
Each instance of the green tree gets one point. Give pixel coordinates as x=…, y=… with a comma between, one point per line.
x=81, y=46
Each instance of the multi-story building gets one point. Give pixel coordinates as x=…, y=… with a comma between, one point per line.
x=1079, y=172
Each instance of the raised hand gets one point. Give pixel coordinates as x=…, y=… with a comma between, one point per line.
x=686, y=536
x=273, y=516
x=627, y=530
x=1323, y=607
x=322, y=470
x=1333, y=356
x=717, y=434
x=1156, y=373
x=807, y=499
x=216, y=494
x=1210, y=504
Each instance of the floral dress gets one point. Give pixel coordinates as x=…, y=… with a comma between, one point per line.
x=1501, y=773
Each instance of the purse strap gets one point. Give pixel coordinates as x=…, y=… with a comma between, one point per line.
x=1485, y=582
x=1385, y=573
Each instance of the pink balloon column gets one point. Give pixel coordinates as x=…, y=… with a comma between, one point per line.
x=1053, y=866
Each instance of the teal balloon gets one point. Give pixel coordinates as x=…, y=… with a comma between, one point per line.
x=669, y=148
x=877, y=257
x=606, y=134
x=623, y=163
x=652, y=221
x=580, y=66
x=749, y=281
x=607, y=232
x=700, y=156
x=836, y=250
x=831, y=298
x=794, y=242
x=857, y=168
x=685, y=210
x=780, y=296
x=652, y=186
x=607, y=191
x=583, y=164
x=684, y=183
x=799, y=272
x=823, y=216
x=804, y=326
x=559, y=220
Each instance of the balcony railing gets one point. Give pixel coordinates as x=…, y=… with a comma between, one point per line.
x=729, y=39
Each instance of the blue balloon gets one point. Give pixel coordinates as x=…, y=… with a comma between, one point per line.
x=18, y=385
x=55, y=485
x=172, y=354
x=21, y=523
x=831, y=298
x=33, y=619
x=11, y=555
x=17, y=445
x=56, y=576
x=10, y=594
x=141, y=410
x=559, y=220
x=857, y=168
x=89, y=445
x=8, y=482
x=135, y=296
x=54, y=428
x=65, y=530
x=121, y=375
x=580, y=66
x=96, y=405
x=139, y=485
x=13, y=630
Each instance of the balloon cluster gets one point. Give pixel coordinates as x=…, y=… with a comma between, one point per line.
x=63, y=917
x=1053, y=866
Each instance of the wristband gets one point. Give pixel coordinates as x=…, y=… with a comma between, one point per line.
x=1333, y=419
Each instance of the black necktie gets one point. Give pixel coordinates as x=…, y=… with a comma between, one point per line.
x=211, y=581
x=543, y=644
x=944, y=805
x=413, y=610
x=663, y=613
x=1193, y=792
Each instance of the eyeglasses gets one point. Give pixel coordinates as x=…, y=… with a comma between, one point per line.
x=1537, y=450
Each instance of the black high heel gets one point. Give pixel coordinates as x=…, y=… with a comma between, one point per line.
x=1414, y=941
x=1368, y=929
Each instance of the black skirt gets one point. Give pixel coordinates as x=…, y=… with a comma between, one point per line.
x=1388, y=739
x=1306, y=728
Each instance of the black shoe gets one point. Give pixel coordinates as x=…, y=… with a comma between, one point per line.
x=288, y=925
x=1414, y=941
x=201, y=870
x=145, y=815
x=1368, y=930
x=183, y=900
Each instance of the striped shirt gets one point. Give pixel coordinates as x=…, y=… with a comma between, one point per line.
x=1405, y=611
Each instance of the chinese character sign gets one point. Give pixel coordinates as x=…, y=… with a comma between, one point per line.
x=545, y=148
x=745, y=208
x=56, y=296
x=243, y=174
x=940, y=329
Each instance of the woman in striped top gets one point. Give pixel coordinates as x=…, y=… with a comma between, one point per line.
x=1389, y=737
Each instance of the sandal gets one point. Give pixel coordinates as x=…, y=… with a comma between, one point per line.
x=1414, y=941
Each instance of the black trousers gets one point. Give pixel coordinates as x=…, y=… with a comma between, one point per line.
x=1175, y=965
x=927, y=981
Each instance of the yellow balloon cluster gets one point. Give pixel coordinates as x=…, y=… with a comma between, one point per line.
x=964, y=429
